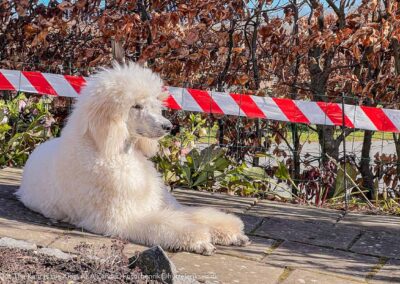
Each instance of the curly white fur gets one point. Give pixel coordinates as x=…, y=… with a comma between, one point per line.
x=97, y=174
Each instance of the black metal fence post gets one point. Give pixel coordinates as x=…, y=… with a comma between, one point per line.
x=346, y=193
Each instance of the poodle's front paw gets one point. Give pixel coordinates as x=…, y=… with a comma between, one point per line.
x=204, y=248
x=229, y=232
x=231, y=239
x=242, y=240
x=200, y=240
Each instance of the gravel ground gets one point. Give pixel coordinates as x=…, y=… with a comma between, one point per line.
x=30, y=266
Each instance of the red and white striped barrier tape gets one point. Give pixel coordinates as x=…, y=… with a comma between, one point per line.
x=360, y=117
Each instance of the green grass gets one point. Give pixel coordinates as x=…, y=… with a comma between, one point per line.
x=357, y=136
x=306, y=136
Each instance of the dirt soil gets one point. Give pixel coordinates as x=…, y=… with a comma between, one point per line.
x=28, y=266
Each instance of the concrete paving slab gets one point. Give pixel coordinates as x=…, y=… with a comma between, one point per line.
x=254, y=251
x=36, y=234
x=250, y=222
x=259, y=262
x=131, y=248
x=215, y=195
x=10, y=176
x=309, y=257
x=13, y=243
x=70, y=241
x=379, y=244
x=225, y=269
x=312, y=277
x=377, y=223
x=7, y=191
x=324, y=234
x=265, y=208
x=389, y=273
x=54, y=252
x=227, y=203
x=12, y=209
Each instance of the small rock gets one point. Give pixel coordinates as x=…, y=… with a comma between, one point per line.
x=155, y=263
x=54, y=252
x=12, y=243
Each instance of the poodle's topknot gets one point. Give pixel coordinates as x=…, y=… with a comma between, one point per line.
x=127, y=80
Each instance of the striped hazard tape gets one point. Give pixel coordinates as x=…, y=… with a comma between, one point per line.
x=281, y=109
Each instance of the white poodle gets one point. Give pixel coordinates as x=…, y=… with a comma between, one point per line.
x=97, y=174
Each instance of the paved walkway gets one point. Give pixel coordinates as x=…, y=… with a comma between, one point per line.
x=290, y=244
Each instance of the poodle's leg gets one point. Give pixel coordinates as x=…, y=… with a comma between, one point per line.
x=173, y=230
x=226, y=229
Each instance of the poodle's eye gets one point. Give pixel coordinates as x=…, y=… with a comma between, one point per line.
x=139, y=107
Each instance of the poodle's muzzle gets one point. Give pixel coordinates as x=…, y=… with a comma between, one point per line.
x=151, y=125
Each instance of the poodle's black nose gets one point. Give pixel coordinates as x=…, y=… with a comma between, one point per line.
x=167, y=126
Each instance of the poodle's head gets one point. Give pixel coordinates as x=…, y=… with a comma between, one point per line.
x=145, y=120
x=124, y=103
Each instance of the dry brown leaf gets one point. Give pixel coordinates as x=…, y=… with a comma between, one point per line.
x=356, y=52
x=40, y=38
x=80, y=4
x=243, y=79
x=174, y=43
x=191, y=37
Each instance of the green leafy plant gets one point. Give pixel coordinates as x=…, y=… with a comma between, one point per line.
x=24, y=123
x=203, y=168
x=173, y=150
x=245, y=180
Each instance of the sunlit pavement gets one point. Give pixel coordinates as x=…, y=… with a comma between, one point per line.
x=290, y=244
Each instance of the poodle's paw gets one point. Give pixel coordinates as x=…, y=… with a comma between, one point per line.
x=204, y=248
x=199, y=240
x=229, y=232
x=242, y=240
x=231, y=239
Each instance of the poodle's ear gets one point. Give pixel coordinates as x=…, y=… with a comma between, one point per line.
x=148, y=147
x=106, y=125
